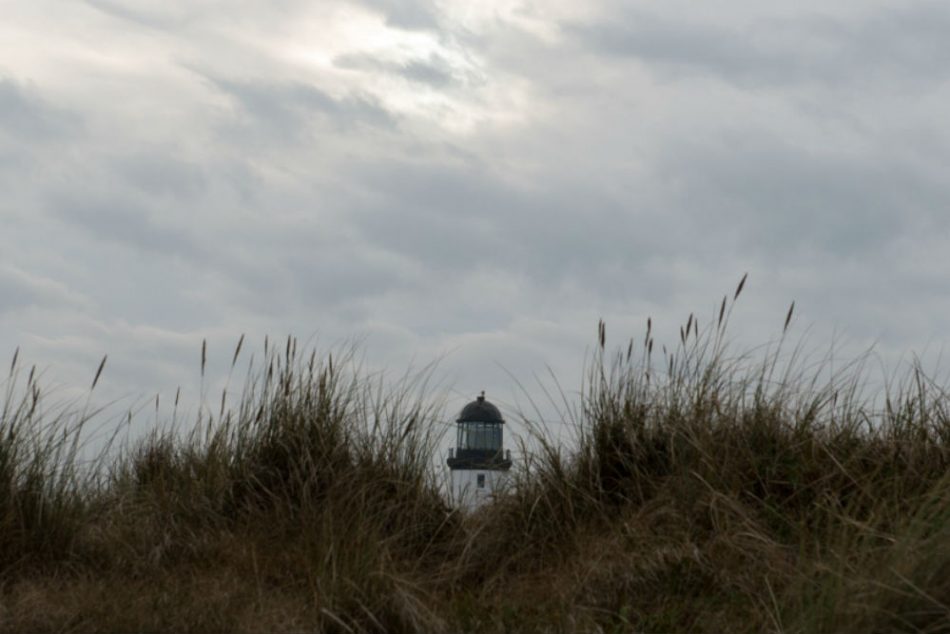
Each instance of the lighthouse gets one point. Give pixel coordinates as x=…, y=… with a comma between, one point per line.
x=478, y=463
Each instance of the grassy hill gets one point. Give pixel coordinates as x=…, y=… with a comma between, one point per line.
x=705, y=492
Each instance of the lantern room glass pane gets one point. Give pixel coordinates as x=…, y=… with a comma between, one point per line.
x=479, y=436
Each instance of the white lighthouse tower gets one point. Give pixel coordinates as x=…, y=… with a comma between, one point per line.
x=479, y=463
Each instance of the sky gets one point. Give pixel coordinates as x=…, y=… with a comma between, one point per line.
x=472, y=184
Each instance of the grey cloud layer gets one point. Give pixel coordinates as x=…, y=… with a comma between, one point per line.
x=433, y=71
x=635, y=162
x=285, y=109
x=25, y=116
x=884, y=48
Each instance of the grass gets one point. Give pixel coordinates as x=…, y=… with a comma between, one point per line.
x=703, y=491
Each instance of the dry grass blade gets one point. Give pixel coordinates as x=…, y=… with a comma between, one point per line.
x=237, y=350
x=102, y=365
x=788, y=317
x=739, y=288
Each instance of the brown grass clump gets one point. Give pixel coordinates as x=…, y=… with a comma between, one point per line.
x=703, y=492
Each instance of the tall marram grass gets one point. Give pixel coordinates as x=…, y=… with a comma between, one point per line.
x=44, y=495
x=311, y=505
x=704, y=490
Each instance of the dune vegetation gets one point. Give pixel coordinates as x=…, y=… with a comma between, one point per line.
x=703, y=491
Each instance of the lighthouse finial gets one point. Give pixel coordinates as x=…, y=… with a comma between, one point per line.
x=482, y=396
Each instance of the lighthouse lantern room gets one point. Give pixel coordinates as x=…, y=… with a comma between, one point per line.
x=479, y=463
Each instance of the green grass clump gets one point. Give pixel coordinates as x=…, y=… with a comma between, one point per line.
x=701, y=492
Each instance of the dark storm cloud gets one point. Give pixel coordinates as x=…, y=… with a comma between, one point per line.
x=904, y=44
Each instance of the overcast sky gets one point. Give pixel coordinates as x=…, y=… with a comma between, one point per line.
x=476, y=182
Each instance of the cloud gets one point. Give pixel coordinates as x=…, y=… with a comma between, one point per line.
x=161, y=176
x=480, y=183
x=127, y=223
x=433, y=71
x=287, y=110
x=788, y=199
x=20, y=289
x=164, y=15
x=903, y=44
x=26, y=117
x=406, y=14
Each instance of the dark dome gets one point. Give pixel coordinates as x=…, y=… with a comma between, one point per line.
x=480, y=411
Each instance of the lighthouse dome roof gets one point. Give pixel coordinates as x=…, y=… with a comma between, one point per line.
x=480, y=411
